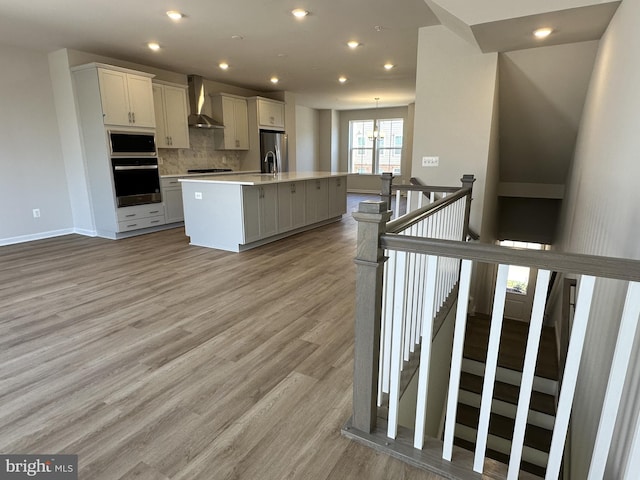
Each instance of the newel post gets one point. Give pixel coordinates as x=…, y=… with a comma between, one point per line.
x=385, y=189
x=467, y=182
x=372, y=218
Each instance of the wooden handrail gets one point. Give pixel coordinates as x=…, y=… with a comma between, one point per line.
x=609, y=267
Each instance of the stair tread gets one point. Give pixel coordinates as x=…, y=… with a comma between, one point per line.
x=501, y=457
x=540, y=402
x=500, y=426
x=513, y=343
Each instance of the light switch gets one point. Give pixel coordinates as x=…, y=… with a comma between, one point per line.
x=198, y=195
x=430, y=161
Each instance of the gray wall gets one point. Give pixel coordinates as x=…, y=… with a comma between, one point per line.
x=329, y=137
x=307, y=139
x=455, y=102
x=31, y=161
x=602, y=217
x=542, y=92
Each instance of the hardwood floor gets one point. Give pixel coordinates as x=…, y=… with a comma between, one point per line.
x=153, y=359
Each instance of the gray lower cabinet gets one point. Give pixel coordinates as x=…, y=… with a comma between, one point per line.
x=337, y=196
x=291, y=206
x=317, y=192
x=260, y=211
x=140, y=216
x=172, y=200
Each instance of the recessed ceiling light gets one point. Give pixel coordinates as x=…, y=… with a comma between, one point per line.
x=388, y=66
x=353, y=44
x=223, y=65
x=174, y=15
x=299, y=13
x=274, y=80
x=237, y=37
x=153, y=46
x=342, y=79
x=378, y=28
x=543, y=32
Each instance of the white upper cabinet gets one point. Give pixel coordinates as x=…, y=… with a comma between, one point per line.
x=127, y=98
x=231, y=111
x=270, y=114
x=170, y=102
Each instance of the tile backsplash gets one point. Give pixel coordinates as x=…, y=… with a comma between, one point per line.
x=202, y=154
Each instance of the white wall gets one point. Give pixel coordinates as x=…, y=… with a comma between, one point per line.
x=307, y=139
x=33, y=171
x=602, y=217
x=455, y=101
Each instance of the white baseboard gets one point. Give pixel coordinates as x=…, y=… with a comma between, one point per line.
x=35, y=236
x=44, y=235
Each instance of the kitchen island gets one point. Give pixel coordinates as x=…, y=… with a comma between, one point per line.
x=245, y=210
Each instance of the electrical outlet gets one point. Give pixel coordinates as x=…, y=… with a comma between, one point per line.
x=36, y=213
x=198, y=195
x=430, y=161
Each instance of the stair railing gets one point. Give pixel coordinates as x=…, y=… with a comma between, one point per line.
x=396, y=246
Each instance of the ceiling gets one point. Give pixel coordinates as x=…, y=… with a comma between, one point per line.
x=308, y=55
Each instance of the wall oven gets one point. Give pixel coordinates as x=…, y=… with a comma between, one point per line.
x=136, y=181
x=134, y=166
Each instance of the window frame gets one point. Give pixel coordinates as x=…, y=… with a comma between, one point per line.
x=394, y=151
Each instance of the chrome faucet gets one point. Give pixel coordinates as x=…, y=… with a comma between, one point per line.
x=274, y=160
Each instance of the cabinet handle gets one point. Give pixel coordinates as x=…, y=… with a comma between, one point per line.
x=170, y=140
x=130, y=215
x=134, y=117
x=132, y=225
x=237, y=143
x=155, y=211
x=130, y=118
x=154, y=221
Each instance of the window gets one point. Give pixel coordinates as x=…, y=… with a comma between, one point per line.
x=518, y=277
x=375, y=146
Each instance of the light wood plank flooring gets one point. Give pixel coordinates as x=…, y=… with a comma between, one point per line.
x=152, y=359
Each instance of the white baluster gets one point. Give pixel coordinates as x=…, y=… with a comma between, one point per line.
x=425, y=352
x=397, y=205
x=456, y=358
x=528, y=372
x=388, y=317
x=396, y=345
x=491, y=366
x=567, y=391
x=631, y=470
x=613, y=395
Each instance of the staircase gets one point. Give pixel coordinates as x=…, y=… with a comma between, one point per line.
x=508, y=376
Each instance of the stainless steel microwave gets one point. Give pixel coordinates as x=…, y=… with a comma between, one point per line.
x=128, y=144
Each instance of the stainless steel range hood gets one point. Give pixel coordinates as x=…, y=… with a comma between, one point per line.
x=197, y=97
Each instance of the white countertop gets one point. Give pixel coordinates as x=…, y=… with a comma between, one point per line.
x=260, y=178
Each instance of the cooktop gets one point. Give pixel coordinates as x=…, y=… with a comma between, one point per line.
x=209, y=170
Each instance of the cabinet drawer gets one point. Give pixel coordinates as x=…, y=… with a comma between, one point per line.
x=135, y=224
x=140, y=211
x=169, y=182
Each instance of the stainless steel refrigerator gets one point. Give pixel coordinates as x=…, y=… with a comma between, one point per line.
x=273, y=151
